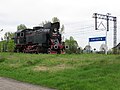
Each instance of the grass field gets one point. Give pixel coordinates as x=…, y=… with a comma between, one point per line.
x=63, y=72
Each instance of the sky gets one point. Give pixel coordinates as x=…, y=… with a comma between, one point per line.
x=76, y=15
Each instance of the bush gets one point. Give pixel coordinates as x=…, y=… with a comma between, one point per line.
x=2, y=59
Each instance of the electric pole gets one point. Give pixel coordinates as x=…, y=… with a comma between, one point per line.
x=108, y=18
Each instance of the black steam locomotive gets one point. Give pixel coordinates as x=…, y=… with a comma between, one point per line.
x=46, y=39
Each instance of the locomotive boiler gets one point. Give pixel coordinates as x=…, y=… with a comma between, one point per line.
x=46, y=39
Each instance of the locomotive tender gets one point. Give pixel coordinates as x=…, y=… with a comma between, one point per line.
x=46, y=39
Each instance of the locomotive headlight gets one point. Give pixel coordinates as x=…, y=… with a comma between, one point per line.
x=66, y=47
x=55, y=46
x=55, y=30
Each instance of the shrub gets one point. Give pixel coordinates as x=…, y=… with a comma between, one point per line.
x=2, y=59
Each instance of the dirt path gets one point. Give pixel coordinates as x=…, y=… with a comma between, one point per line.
x=10, y=84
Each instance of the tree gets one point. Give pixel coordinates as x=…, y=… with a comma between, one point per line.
x=11, y=46
x=62, y=29
x=55, y=19
x=73, y=45
x=21, y=27
x=88, y=48
x=8, y=44
x=8, y=35
x=43, y=23
x=103, y=48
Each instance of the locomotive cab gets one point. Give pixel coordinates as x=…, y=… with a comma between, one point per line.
x=19, y=40
x=19, y=37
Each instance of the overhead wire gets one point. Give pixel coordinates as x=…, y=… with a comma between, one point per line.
x=81, y=32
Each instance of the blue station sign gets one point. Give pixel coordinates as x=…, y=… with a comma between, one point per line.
x=97, y=39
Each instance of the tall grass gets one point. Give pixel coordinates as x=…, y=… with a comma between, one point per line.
x=64, y=72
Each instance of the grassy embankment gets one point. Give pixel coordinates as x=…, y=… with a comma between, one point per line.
x=63, y=72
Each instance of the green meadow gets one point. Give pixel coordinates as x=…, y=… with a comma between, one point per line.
x=63, y=71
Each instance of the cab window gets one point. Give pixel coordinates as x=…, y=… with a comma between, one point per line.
x=18, y=34
x=22, y=34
